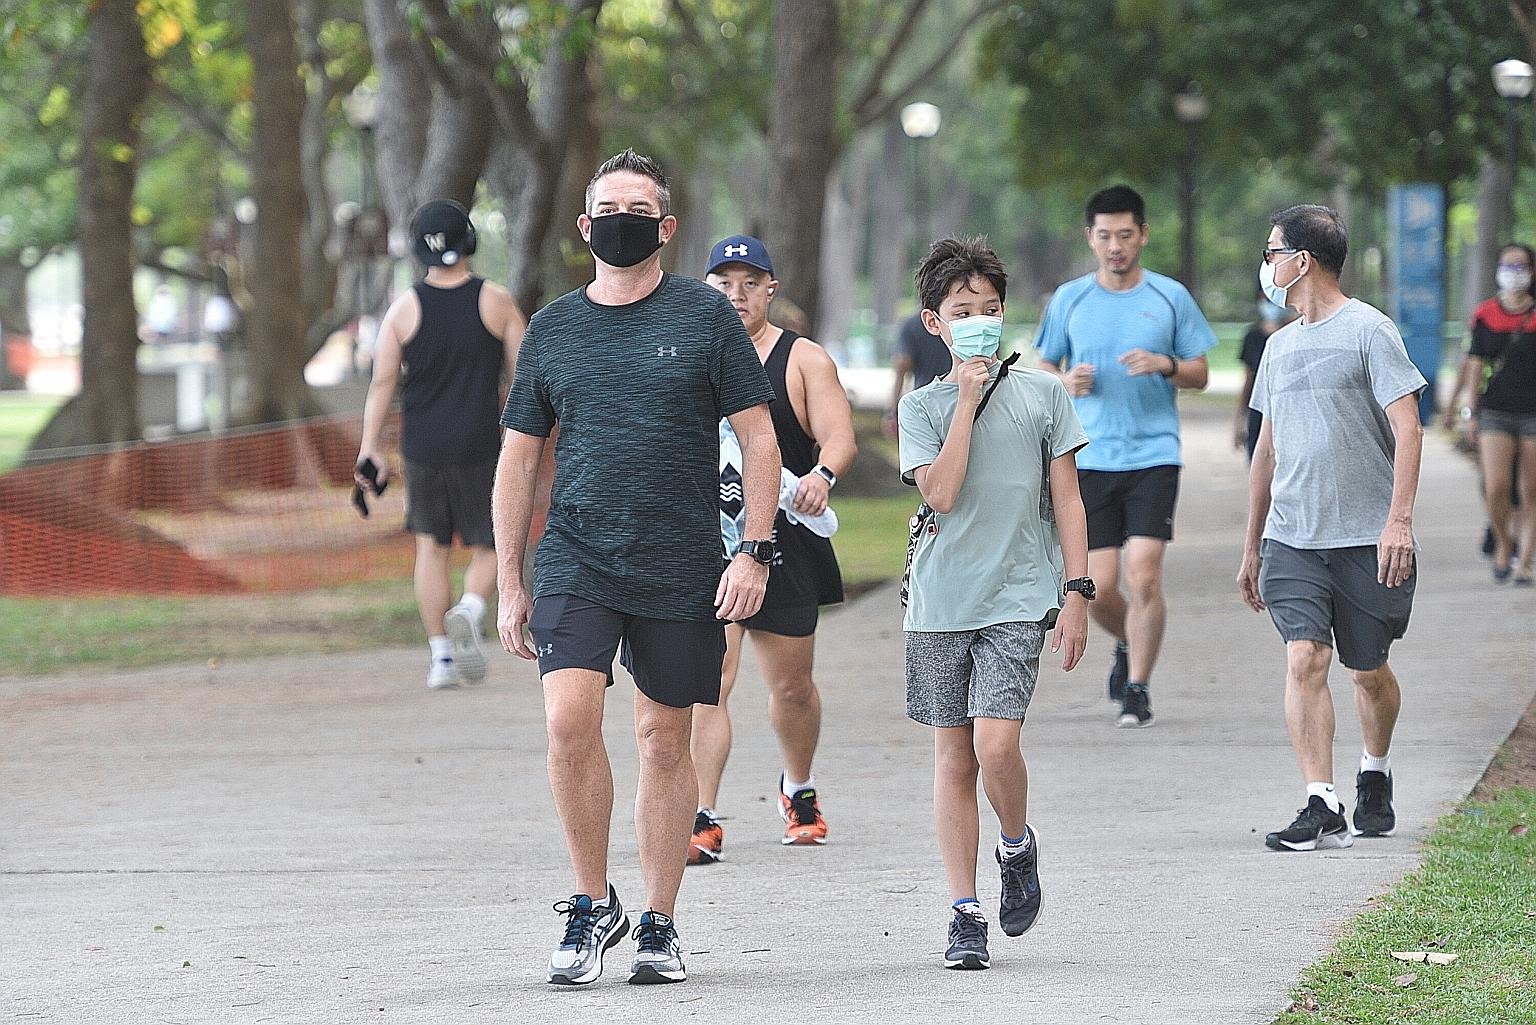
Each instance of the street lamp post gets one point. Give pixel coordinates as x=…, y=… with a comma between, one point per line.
x=1191, y=107
x=1512, y=80
x=920, y=121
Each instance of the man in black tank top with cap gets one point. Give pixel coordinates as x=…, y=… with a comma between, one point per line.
x=814, y=425
x=453, y=335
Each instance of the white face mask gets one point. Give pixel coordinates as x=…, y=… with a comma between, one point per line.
x=1510, y=279
x=1273, y=292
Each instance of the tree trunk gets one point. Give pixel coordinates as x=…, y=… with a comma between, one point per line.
x=117, y=79
x=15, y=324
x=315, y=148
x=845, y=217
x=1493, y=192
x=891, y=241
x=277, y=321
x=802, y=144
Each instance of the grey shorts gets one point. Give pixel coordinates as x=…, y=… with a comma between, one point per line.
x=1516, y=425
x=956, y=676
x=1331, y=596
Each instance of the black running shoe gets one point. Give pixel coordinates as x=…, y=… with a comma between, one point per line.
x=1120, y=673
x=1373, y=805
x=1488, y=541
x=659, y=957
x=1135, y=707
x=1021, y=888
x=1315, y=829
x=967, y=942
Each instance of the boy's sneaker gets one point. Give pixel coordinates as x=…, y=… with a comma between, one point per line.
x=1315, y=829
x=1020, y=902
x=967, y=942
x=1120, y=674
x=660, y=957
x=464, y=632
x=590, y=929
x=444, y=674
x=1373, y=805
x=803, y=824
x=708, y=838
x=1135, y=707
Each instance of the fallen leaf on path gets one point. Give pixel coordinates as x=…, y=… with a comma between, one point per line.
x=1406, y=980
x=1424, y=956
x=1306, y=1003
x=1518, y=829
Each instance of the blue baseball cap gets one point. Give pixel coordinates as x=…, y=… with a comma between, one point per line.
x=740, y=249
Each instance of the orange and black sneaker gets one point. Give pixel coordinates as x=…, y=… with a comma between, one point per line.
x=708, y=837
x=803, y=824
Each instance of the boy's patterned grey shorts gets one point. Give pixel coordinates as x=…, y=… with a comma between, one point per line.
x=956, y=676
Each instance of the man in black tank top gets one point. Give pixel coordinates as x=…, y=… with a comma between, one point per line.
x=456, y=337
x=810, y=412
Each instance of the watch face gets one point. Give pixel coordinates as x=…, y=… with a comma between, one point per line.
x=763, y=551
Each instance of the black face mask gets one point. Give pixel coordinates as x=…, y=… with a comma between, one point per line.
x=623, y=240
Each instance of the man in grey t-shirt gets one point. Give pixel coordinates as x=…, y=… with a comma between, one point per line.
x=1330, y=549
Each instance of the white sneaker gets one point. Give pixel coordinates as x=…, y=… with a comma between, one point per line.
x=464, y=632
x=444, y=674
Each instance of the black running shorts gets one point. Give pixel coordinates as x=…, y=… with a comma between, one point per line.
x=1330, y=596
x=1123, y=504
x=674, y=662
x=442, y=501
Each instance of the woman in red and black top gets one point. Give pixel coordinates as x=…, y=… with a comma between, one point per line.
x=1504, y=408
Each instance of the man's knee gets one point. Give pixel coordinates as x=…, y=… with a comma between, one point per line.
x=1374, y=682
x=998, y=755
x=1308, y=662
x=956, y=764
x=795, y=688
x=1144, y=580
x=663, y=743
x=573, y=721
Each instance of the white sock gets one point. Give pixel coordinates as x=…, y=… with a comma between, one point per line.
x=474, y=605
x=441, y=647
x=1370, y=763
x=1010, y=848
x=791, y=788
x=1326, y=792
x=709, y=813
x=972, y=907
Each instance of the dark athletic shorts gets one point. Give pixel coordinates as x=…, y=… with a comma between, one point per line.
x=1330, y=595
x=1129, y=503
x=446, y=500
x=674, y=662
x=786, y=621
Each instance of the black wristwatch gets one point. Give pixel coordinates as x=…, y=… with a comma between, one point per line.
x=1172, y=373
x=763, y=551
x=1083, y=586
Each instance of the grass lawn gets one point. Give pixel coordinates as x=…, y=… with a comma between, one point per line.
x=40, y=635
x=22, y=415
x=1475, y=897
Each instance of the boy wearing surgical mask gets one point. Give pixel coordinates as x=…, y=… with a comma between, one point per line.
x=1001, y=556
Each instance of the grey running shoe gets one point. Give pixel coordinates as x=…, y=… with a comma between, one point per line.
x=1020, y=904
x=967, y=942
x=1121, y=673
x=464, y=632
x=1373, y=805
x=660, y=957
x=1315, y=829
x=590, y=929
x=1135, y=708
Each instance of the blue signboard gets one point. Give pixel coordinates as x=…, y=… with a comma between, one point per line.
x=1416, y=277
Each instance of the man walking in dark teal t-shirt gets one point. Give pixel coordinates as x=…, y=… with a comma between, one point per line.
x=637, y=368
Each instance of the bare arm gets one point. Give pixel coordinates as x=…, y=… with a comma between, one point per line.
x=903, y=366
x=1072, y=527
x=1261, y=475
x=1394, y=551
x=1240, y=429
x=740, y=594
x=517, y=472
x=831, y=423
x=505, y=320
x=1467, y=392
x=401, y=320
x=1190, y=373
x=1078, y=380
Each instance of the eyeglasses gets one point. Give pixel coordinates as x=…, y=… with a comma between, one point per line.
x=1270, y=254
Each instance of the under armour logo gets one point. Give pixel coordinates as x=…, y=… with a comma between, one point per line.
x=666, y=350
x=546, y=650
x=740, y=250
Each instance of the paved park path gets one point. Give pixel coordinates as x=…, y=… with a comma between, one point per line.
x=322, y=840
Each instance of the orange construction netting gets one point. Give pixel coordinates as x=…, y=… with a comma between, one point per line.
x=257, y=510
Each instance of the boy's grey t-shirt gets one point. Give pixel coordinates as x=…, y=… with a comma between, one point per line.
x=638, y=391
x=994, y=558
x=1324, y=389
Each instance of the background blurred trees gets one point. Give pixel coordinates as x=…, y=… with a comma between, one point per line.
x=260, y=150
